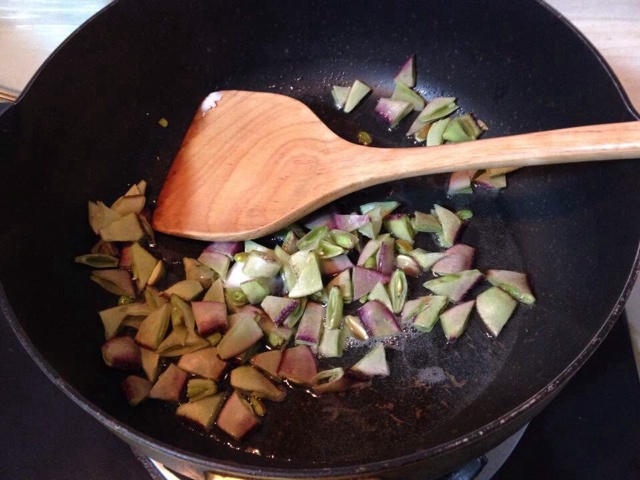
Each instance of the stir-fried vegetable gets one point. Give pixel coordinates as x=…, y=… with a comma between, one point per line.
x=246, y=317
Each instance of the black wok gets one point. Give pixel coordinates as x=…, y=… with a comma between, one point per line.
x=87, y=126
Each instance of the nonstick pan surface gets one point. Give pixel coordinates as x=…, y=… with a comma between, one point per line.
x=87, y=127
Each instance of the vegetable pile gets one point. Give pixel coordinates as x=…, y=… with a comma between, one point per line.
x=436, y=123
x=248, y=322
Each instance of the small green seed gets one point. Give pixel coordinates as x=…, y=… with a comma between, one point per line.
x=124, y=300
x=365, y=138
x=464, y=214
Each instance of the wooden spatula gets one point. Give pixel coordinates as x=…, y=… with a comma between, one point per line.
x=257, y=162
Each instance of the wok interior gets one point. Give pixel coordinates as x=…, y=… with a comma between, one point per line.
x=511, y=63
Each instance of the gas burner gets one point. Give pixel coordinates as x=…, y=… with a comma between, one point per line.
x=481, y=468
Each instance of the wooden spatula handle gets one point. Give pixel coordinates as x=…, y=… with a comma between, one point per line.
x=578, y=144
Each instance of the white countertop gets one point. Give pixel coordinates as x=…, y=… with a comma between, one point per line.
x=31, y=29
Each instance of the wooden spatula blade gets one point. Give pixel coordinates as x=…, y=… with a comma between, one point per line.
x=259, y=161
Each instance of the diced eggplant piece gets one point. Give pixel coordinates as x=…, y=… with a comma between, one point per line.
x=268, y=362
x=185, y=289
x=335, y=265
x=217, y=261
x=154, y=328
x=135, y=389
x=385, y=257
x=463, y=129
x=125, y=229
x=150, y=363
x=268, y=327
x=229, y=249
x=204, y=362
x=331, y=343
x=202, y=412
x=114, y=280
x=180, y=342
x=364, y=279
x=142, y=264
x=408, y=265
x=514, y=283
x=487, y=182
x=261, y=264
x=435, y=135
x=310, y=326
x=454, y=321
x=240, y=337
x=350, y=223
x=438, y=108
x=426, y=259
x=451, y=224
x=129, y=204
x=280, y=309
x=153, y=298
x=236, y=418
x=404, y=93
x=399, y=225
x=457, y=259
x=209, y=317
x=339, y=95
x=121, y=353
x=298, y=365
x=343, y=282
x=113, y=317
x=425, y=222
x=393, y=111
x=460, y=182
x=357, y=92
x=407, y=73
x=426, y=319
x=373, y=364
x=495, y=307
x=248, y=379
x=309, y=278
x=454, y=285
x=380, y=293
x=369, y=252
x=256, y=290
x=198, y=271
x=215, y=292
x=100, y=216
x=169, y=384
x=378, y=319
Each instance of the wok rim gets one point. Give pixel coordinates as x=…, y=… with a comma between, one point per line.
x=133, y=436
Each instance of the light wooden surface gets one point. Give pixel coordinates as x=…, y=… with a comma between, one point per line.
x=31, y=29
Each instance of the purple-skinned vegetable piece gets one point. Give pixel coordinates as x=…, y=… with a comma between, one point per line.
x=227, y=248
x=349, y=223
x=377, y=319
x=364, y=279
x=458, y=259
x=310, y=325
x=386, y=256
x=335, y=265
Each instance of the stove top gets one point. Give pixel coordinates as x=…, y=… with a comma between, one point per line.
x=587, y=431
